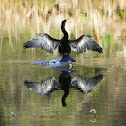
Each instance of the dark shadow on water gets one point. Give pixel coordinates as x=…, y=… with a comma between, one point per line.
x=64, y=83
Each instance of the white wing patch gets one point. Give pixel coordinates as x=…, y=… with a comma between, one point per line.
x=84, y=43
x=43, y=41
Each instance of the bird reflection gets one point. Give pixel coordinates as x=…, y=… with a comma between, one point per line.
x=65, y=82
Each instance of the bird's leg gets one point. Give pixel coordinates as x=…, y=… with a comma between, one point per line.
x=70, y=65
x=61, y=58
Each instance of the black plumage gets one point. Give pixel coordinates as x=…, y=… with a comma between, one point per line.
x=44, y=41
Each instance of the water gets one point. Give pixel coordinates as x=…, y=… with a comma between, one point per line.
x=20, y=101
x=30, y=108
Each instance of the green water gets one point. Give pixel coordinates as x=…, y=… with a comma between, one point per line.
x=107, y=97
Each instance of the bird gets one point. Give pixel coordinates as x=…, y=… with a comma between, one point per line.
x=64, y=45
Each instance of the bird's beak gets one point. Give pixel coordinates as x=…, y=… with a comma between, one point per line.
x=67, y=19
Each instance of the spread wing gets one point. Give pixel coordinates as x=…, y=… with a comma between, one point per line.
x=42, y=88
x=43, y=41
x=84, y=43
x=86, y=85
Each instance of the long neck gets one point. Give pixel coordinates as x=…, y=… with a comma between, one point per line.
x=66, y=92
x=64, y=31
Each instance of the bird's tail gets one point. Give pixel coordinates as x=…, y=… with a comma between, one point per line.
x=66, y=59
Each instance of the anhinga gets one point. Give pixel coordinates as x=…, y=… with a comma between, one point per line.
x=44, y=41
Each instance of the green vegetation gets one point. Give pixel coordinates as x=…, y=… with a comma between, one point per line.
x=33, y=16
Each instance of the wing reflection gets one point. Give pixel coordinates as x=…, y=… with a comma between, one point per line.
x=86, y=84
x=64, y=83
x=43, y=87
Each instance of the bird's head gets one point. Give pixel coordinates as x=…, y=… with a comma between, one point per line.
x=64, y=21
